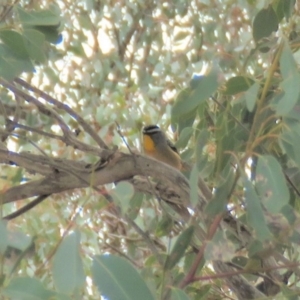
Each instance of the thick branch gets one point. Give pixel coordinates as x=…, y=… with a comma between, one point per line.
x=120, y=167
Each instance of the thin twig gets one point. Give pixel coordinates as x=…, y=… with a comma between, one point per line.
x=70, y=138
x=36, y=130
x=26, y=207
x=66, y=108
x=8, y=10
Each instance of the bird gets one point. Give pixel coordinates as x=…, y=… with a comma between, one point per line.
x=158, y=146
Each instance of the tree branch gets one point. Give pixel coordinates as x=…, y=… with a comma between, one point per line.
x=88, y=129
x=121, y=166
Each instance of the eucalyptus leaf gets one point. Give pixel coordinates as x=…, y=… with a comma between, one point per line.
x=135, y=204
x=220, y=198
x=34, y=43
x=270, y=184
x=251, y=96
x=182, y=242
x=265, y=22
x=237, y=85
x=117, y=279
x=202, y=89
x=288, y=7
x=290, y=84
x=15, y=43
x=67, y=269
x=255, y=215
x=290, y=141
x=201, y=142
x=164, y=226
x=51, y=33
x=12, y=65
x=184, y=137
x=25, y=288
x=123, y=194
x=39, y=17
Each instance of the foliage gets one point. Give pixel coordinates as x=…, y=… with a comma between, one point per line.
x=78, y=78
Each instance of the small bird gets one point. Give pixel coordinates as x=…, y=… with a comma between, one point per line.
x=158, y=146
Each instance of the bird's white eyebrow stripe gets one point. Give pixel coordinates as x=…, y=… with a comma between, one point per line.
x=151, y=129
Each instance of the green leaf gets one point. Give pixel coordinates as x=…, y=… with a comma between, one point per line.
x=295, y=238
x=237, y=85
x=265, y=22
x=255, y=215
x=123, y=193
x=225, y=135
x=294, y=113
x=186, y=156
x=251, y=96
x=178, y=294
x=116, y=279
x=220, y=198
x=289, y=213
x=283, y=8
x=270, y=184
x=186, y=120
x=164, y=226
x=288, y=7
x=288, y=64
x=290, y=97
x=240, y=261
x=67, y=269
x=19, y=240
x=201, y=142
x=135, y=205
x=59, y=296
x=40, y=17
x=189, y=100
x=51, y=33
x=11, y=64
x=26, y=288
x=3, y=237
x=290, y=140
x=34, y=43
x=15, y=43
x=189, y=261
x=182, y=242
x=290, y=84
x=278, y=6
x=184, y=137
